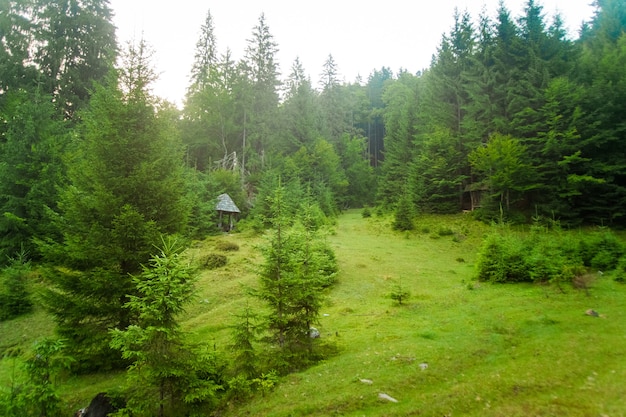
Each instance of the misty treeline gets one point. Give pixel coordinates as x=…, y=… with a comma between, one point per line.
x=511, y=110
x=513, y=118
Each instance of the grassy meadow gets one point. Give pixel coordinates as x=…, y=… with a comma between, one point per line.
x=456, y=347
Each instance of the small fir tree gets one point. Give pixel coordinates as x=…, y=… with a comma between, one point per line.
x=296, y=269
x=403, y=216
x=166, y=373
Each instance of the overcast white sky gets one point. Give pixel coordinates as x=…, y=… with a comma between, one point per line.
x=361, y=35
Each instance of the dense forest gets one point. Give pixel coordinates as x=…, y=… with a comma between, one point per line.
x=512, y=120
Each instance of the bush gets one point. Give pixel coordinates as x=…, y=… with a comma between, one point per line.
x=214, y=261
x=227, y=246
x=620, y=271
x=601, y=250
x=502, y=258
x=445, y=231
x=366, y=212
x=546, y=257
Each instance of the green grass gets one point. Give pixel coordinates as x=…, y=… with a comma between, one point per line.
x=490, y=350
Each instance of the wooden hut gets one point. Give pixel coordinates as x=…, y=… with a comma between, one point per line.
x=475, y=192
x=226, y=206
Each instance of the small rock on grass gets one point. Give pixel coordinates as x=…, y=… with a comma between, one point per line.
x=366, y=381
x=593, y=313
x=386, y=397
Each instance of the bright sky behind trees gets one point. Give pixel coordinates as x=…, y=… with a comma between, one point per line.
x=361, y=36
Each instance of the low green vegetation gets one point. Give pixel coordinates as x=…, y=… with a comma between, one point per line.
x=456, y=346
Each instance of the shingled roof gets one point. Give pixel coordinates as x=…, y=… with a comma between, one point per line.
x=226, y=204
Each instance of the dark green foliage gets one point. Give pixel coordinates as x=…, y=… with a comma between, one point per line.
x=85, y=305
x=167, y=376
x=31, y=147
x=620, y=271
x=126, y=187
x=298, y=265
x=15, y=297
x=555, y=257
x=201, y=197
x=361, y=188
x=399, y=293
x=502, y=258
x=246, y=332
x=214, y=261
x=601, y=250
x=444, y=231
x=366, y=212
x=403, y=215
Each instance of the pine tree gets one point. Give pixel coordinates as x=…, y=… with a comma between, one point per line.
x=296, y=269
x=166, y=374
x=600, y=187
x=299, y=112
x=76, y=47
x=210, y=126
x=262, y=70
x=332, y=103
x=403, y=99
x=125, y=188
x=32, y=141
x=205, y=58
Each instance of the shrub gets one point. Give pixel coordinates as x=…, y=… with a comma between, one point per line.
x=444, y=231
x=547, y=262
x=620, y=270
x=227, y=246
x=502, y=258
x=366, y=212
x=601, y=250
x=214, y=261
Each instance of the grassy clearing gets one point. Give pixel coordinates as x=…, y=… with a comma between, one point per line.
x=456, y=347
x=490, y=350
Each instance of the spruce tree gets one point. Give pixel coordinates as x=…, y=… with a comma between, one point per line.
x=32, y=141
x=75, y=47
x=125, y=188
x=166, y=375
x=297, y=267
x=261, y=109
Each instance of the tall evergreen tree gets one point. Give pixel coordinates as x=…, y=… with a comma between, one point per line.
x=210, y=126
x=296, y=269
x=32, y=141
x=205, y=58
x=16, y=33
x=332, y=102
x=602, y=197
x=263, y=72
x=403, y=99
x=125, y=174
x=299, y=111
x=76, y=47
